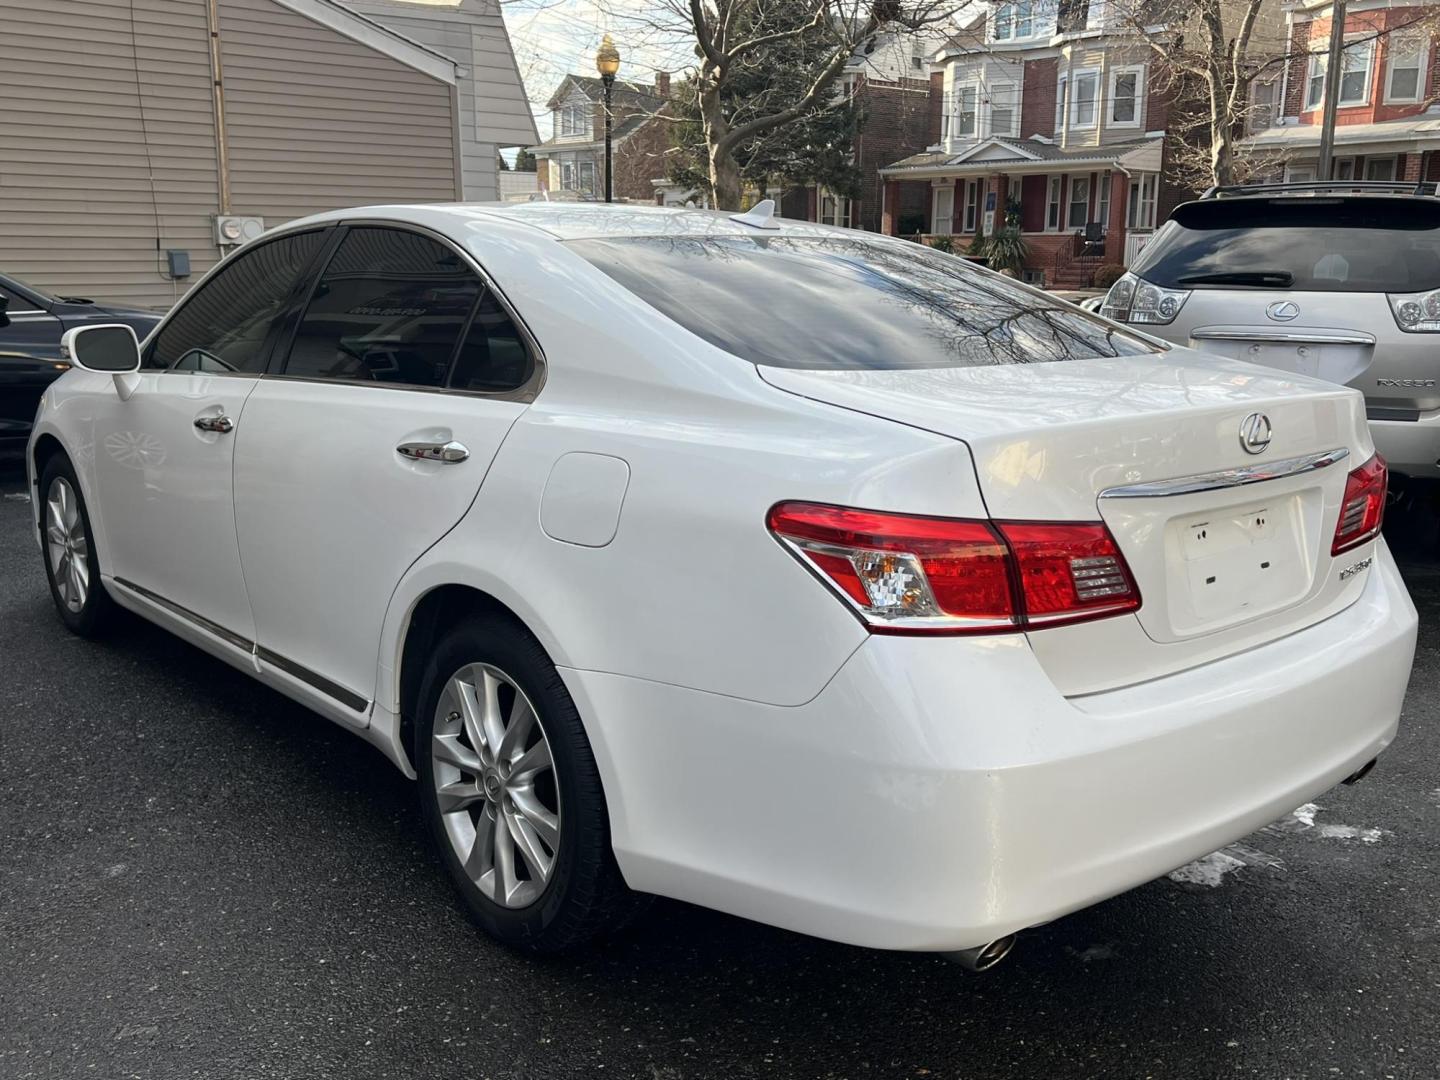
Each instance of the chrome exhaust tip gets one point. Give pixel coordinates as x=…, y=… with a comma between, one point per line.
x=983, y=957
x=1360, y=773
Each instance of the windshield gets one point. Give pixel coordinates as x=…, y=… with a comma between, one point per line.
x=1313, y=244
x=837, y=303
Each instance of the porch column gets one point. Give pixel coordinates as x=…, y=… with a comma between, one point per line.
x=890, y=208
x=1115, y=227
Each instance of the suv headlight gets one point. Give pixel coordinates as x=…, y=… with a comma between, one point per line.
x=1416, y=313
x=1134, y=300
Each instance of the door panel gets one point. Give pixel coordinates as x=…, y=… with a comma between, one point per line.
x=29, y=361
x=331, y=515
x=164, y=487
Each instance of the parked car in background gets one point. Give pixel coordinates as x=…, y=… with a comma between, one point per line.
x=1338, y=280
x=32, y=323
x=806, y=574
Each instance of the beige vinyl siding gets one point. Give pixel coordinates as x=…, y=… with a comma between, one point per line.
x=315, y=120
x=79, y=212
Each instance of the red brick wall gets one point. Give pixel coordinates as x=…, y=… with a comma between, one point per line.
x=1037, y=105
x=1313, y=36
x=897, y=124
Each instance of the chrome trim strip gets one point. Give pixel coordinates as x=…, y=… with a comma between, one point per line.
x=1283, y=337
x=228, y=636
x=1227, y=478
x=318, y=682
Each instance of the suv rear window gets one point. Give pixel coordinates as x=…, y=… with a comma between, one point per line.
x=1367, y=244
x=841, y=304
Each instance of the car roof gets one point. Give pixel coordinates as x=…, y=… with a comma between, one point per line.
x=577, y=221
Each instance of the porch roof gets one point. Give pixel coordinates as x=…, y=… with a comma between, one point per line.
x=1412, y=133
x=1003, y=154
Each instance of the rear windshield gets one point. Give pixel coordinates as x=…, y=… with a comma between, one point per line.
x=1312, y=244
x=836, y=303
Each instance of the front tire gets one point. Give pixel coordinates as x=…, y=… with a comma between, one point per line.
x=510, y=792
x=68, y=545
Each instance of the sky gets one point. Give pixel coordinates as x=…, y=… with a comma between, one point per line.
x=554, y=37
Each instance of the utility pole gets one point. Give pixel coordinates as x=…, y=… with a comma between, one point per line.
x=1332, y=91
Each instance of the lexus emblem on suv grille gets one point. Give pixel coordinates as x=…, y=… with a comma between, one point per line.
x=1255, y=432
x=1283, y=310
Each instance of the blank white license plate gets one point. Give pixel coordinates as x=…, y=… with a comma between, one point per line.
x=1249, y=559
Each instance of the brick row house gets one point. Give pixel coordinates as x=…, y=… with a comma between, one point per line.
x=1044, y=105
x=1387, y=124
x=572, y=161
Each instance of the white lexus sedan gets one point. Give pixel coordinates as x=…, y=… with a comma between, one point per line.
x=801, y=573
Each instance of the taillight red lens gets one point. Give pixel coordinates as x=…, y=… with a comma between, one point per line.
x=1070, y=571
x=1363, y=510
x=908, y=574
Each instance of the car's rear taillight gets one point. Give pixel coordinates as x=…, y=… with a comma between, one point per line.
x=1363, y=509
x=907, y=574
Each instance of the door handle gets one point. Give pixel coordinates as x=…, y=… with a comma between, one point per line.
x=450, y=453
x=221, y=424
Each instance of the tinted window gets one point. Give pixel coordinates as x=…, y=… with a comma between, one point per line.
x=493, y=358
x=222, y=325
x=833, y=303
x=1324, y=245
x=390, y=307
x=14, y=302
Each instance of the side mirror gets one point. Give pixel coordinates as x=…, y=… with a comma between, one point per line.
x=111, y=348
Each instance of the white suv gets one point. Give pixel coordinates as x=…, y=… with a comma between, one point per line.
x=802, y=573
x=1337, y=280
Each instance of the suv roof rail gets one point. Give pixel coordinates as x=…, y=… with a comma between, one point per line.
x=1430, y=188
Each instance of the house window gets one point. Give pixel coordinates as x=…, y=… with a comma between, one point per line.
x=834, y=209
x=972, y=205
x=1079, y=211
x=1072, y=16
x=1125, y=86
x=1052, y=204
x=1002, y=109
x=567, y=175
x=1354, y=75
x=586, y=177
x=1140, y=213
x=1405, y=73
x=942, y=216
x=965, y=99
x=1380, y=168
x=1262, y=104
x=1345, y=168
x=574, y=120
x=1014, y=20
x=1102, y=210
x=1304, y=174
x=1082, y=98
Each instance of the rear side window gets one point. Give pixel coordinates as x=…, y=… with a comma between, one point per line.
x=390, y=307
x=1369, y=244
x=846, y=304
x=222, y=326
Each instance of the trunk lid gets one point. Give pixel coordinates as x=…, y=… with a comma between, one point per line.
x=1220, y=567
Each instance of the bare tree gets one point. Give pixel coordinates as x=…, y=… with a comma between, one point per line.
x=728, y=35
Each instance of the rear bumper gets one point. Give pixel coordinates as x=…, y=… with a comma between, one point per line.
x=1410, y=447
x=940, y=793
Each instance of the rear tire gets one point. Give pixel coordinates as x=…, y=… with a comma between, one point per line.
x=511, y=795
x=72, y=566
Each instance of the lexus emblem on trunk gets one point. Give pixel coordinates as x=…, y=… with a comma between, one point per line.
x=1255, y=432
x=1283, y=310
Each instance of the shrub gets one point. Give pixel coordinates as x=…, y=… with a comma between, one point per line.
x=1007, y=250
x=943, y=243
x=1107, y=275
x=977, y=248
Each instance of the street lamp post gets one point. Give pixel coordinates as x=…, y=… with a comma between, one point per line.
x=607, y=62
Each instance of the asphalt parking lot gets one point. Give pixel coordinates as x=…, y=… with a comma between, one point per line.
x=198, y=878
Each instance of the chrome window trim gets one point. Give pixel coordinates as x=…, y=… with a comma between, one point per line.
x=330, y=689
x=526, y=392
x=1228, y=478
x=1295, y=337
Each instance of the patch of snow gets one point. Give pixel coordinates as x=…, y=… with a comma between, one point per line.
x=1209, y=871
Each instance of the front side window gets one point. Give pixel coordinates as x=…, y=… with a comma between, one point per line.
x=1079, y=202
x=965, y=111
x=1380, y=168
x=1125, y=98
x=1005, y=22
x=1141, y=211
x=567, y=175
x=1052, y=204
x=1002, y=109
x=12, y=302
x=1355, y=73
x=223, y=325
x=1082, y=104
x=573, y=120
x=831, y=303
x=389, y=308
x=587, y=177
x=972, y=204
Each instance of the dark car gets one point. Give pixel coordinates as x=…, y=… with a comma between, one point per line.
x=31, y=325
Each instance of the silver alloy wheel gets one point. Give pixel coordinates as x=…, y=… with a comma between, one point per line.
x=69, y=551
x=495, y=785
